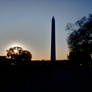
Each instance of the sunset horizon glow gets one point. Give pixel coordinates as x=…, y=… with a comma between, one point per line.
x=29, y=23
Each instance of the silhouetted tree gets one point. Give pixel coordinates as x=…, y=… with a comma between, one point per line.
x=19, y=56
x=13, y=52
x=24, y=57
x=80, y=39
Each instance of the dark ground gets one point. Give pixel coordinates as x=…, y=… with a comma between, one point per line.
x=45, y=76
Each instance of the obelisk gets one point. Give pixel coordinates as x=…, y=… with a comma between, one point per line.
x=53, y=47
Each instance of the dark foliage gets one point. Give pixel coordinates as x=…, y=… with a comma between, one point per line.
x=80, y=38
x=24, y=57
x=19, y=56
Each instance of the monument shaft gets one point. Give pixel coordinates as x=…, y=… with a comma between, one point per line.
x=53, y=47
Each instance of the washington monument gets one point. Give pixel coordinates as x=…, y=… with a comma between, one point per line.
x=53, y=47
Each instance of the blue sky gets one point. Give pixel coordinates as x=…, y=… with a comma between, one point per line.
x=29, y=22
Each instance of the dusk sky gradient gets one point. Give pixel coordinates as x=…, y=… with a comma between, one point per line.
x=29, y=23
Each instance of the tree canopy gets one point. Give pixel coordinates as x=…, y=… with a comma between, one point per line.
x=80, y=37
x=19, y=55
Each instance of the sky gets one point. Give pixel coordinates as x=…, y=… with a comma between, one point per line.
x=28, y=24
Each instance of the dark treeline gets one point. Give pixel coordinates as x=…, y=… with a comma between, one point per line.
x=80, y=40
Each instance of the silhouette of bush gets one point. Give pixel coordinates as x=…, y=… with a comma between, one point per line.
x=79, y=57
